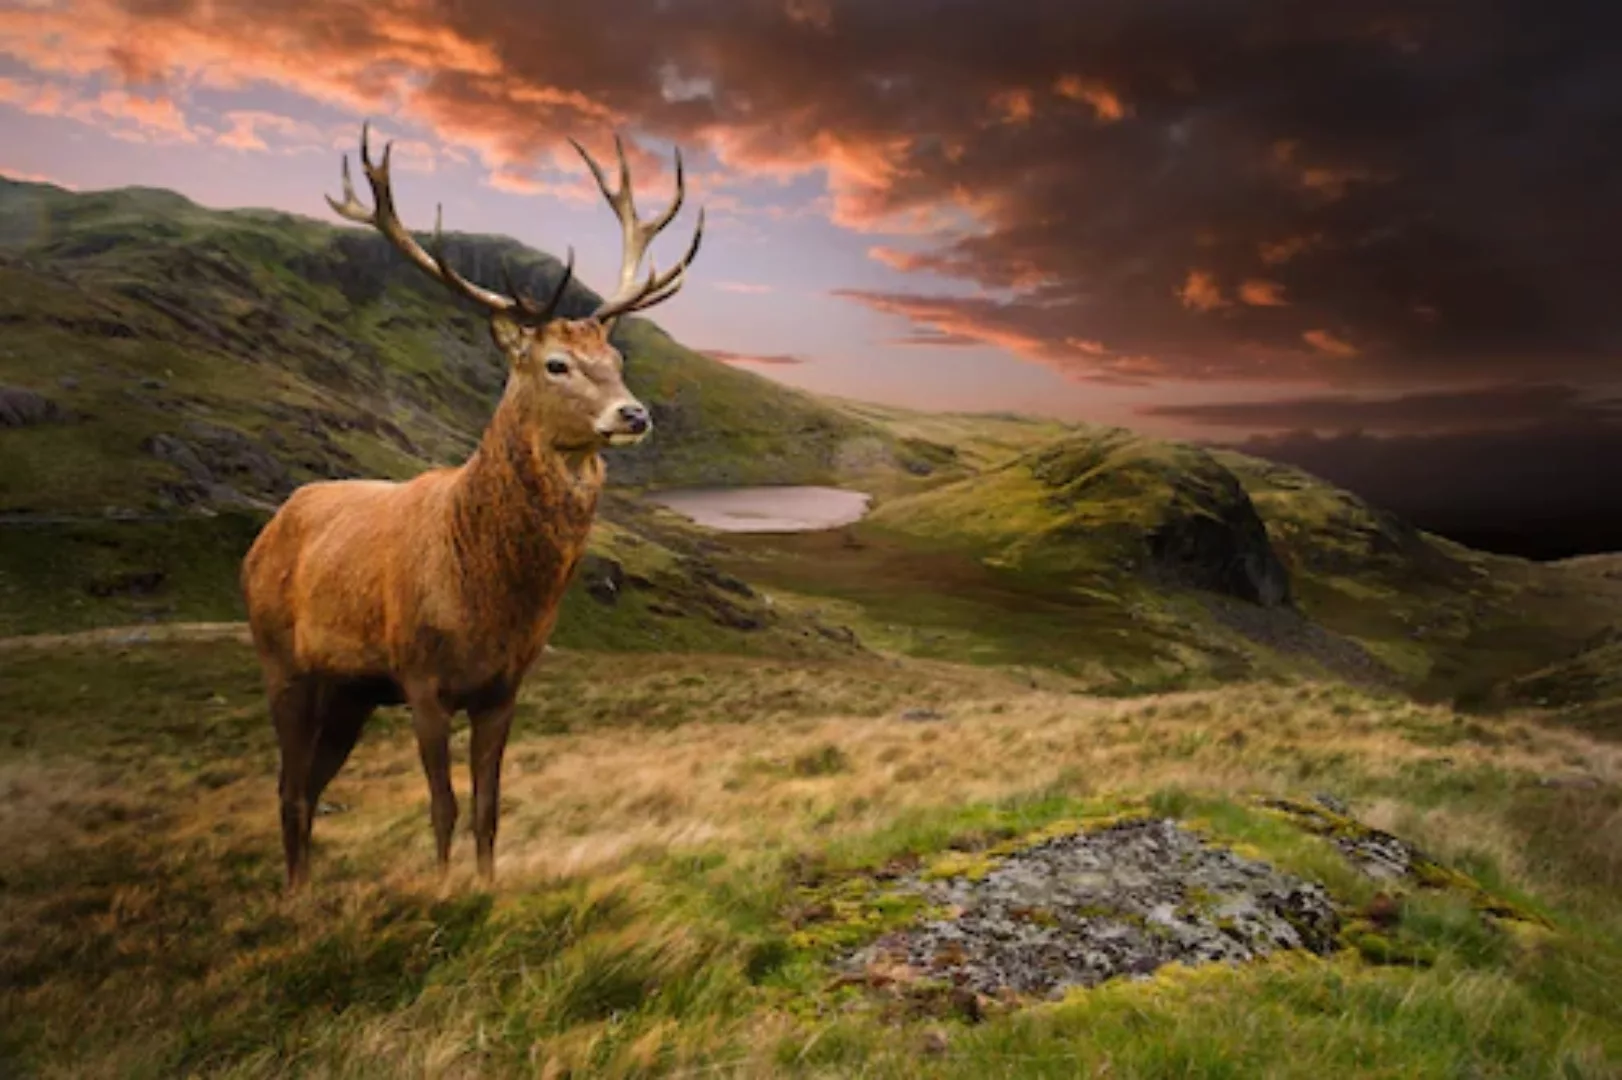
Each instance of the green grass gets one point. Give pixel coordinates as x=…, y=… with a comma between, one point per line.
x=81, y=575
x=628, y=938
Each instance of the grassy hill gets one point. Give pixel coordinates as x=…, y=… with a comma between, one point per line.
x=187, y=356
x=751, y=761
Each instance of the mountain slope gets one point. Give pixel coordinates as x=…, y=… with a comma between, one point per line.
x=189, y=357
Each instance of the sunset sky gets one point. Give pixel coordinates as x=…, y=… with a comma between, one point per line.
x=1228, y=220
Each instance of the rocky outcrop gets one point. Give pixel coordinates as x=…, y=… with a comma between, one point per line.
x=220, y=464
x=23, y=408
x=1082, y=908
x=1196, y=525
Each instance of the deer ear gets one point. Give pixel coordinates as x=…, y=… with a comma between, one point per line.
x=511, y=336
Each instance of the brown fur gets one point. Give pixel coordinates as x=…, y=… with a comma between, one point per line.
x=439, y=592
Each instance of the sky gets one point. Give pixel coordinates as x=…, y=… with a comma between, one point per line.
x=1382, y=239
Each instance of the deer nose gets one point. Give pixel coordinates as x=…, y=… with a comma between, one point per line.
x=635, y=417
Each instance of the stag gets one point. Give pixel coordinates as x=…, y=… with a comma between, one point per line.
x=440, y=592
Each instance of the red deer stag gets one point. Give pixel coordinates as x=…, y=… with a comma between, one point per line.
x=440, y=592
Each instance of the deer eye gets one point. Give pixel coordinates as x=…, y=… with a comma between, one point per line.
x=554, y=366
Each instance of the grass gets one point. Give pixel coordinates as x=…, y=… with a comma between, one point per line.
x=662, y=821
x=77, y=575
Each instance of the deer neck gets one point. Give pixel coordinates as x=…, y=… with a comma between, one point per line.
x=523, y=507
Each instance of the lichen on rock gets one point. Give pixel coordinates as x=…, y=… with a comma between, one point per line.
x=1079, y=908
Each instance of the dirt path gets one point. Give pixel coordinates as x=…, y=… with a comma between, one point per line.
x=143, y=634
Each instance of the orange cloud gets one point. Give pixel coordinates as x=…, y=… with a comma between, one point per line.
x=125, y=115
x=515, y=182
x=1329, y=181
x=1200, y=292
x=1258, y=293
x=1014, y=106
x=943, y=321
x=34, y=97
x=904, y=261
x=1107, y=105
x=1332, y=181
x=772, y=359
x=1278, y=252
x=249, y=127
x=1325, y=342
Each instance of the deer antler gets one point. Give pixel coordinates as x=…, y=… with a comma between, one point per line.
x=384, y=219
x=631, y=295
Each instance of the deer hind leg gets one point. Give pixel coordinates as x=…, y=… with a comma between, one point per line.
x=293, y=709
x=489, y=743
x=343, y=714
x=432, y=722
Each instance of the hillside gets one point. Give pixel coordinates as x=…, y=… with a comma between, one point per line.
x=158, y=356
x=1138, y=563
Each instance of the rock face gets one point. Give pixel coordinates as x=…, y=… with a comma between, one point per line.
x=221, y=464
x=1225, y=551
x=1197, y=524
x=1085, y=907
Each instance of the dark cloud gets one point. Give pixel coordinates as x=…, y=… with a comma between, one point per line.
x=1528, y=468
x=773, y=359
x=1429, y=412
x=1389, y=191
x=1546, y=490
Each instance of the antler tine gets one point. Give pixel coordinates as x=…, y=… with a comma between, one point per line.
x=526, y=304
x=352, y=208
x=563, y=286
x=638, y=234
x=659, y=288
x=385, y=220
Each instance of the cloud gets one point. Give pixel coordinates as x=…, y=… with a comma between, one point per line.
x=1106, y=104
x=1539, y=489
x=249, y=129
x=1082, y=157
x=1201, y=293
x=1325, y=342
x=770, y=359
x=742, y=287
x=1525, y=468
x=1420, y=413
x=132, y=117
x=1259, y=293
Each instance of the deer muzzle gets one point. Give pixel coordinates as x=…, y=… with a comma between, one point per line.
x=624, y=423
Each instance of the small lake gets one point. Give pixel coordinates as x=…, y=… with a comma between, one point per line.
x=766, y=509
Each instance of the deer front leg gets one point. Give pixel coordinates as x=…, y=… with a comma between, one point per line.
x=432, y=722
x=490, y=729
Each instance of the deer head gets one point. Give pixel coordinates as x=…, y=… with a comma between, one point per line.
x=565, y=371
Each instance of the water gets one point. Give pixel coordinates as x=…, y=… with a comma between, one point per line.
x=766, y=509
